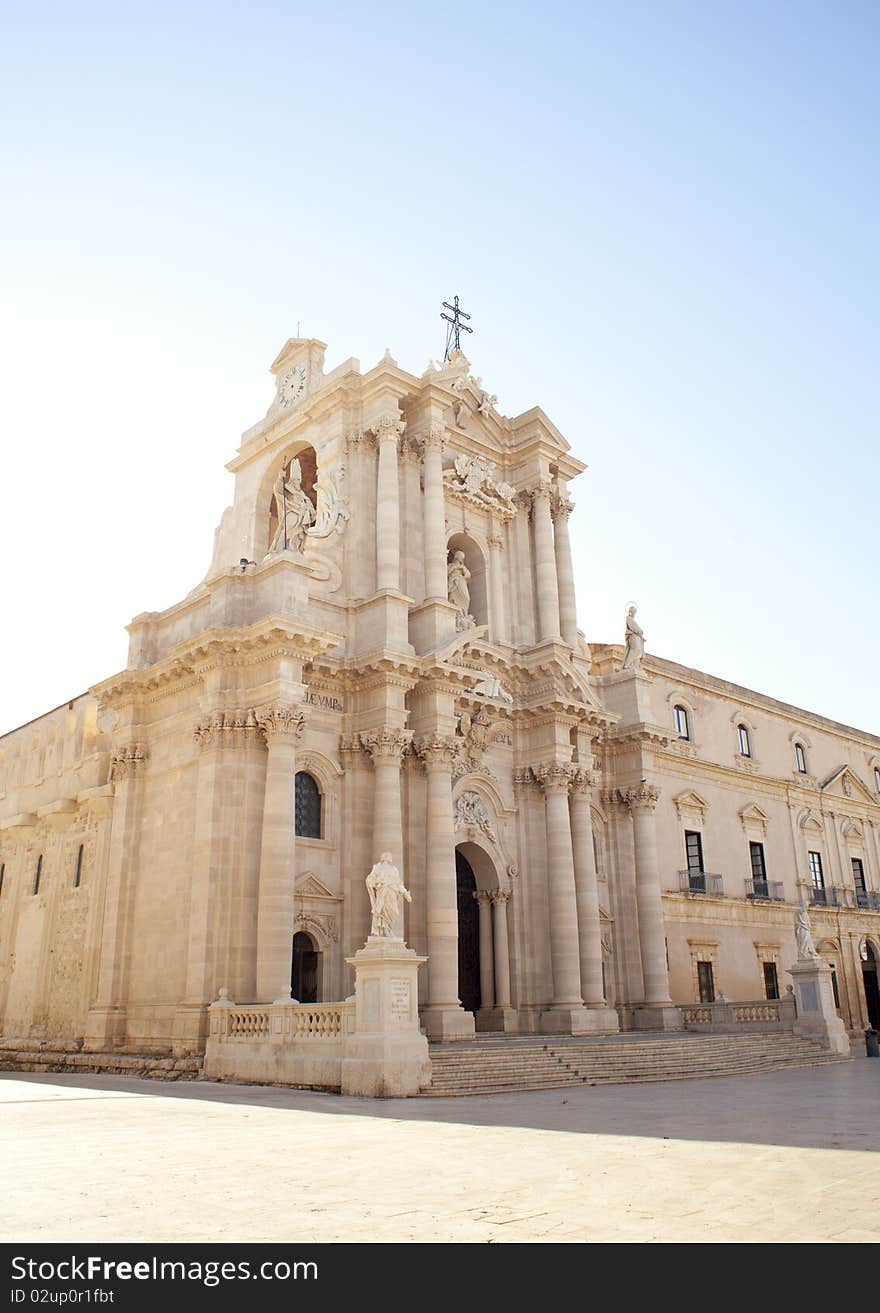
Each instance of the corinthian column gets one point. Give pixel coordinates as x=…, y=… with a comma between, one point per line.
x=444, y=1016
x=562, y=508
x=487, y=961
x=567, y=1009
x=652, y=936
x=545, y=563
x=386, y=748
x=500, y=899
x=282, y=727
x=435, y=517
x=496, y=585
x=587, y=896
x=388, y=431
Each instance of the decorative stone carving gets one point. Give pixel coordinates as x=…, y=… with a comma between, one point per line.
x=127, y=761
x=553, y=776
x=388, y=743
x=389, y=427
x=294, y=510
x=806, y=949
x=229, y=729
x=437, y=750
x=472, y=480
x=471, y=814
x=560, y=505
x=386, y=889
x=486, y=402
x=635, y=642
x=285, y=722
x=583, y=781
x=333, y=511
x=490, y=686
x=645, y=796
x=499, y=897
x=324, y=925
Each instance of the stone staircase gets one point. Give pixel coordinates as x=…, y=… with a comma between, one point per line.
x=507, y=1065
x=46, y=1056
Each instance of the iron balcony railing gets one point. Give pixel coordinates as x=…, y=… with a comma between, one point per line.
x=768, y=890
x=868, y=900
x=824, y=898
x=700, y=882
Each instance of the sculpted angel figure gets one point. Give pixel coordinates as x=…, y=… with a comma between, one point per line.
x=386, y=889
x=457, y=575
x=635, y=642
x=295, y=511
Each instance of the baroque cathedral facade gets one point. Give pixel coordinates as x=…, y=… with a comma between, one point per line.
x=384, y=656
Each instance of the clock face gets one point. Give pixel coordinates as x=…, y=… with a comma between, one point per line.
x=292, y=385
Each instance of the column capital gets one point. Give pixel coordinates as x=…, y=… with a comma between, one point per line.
x=583, y=781
x=643, y=798
x=483, y=897
x=127, y=761
x=388, y=428
x=433, y=439
x=561, y=505
x=229, y=729
x=499, y=897
x=385, y=744
x=438, y=751
x=281, y=723
x=541, y=493
x=553, y=776
x=360, y=438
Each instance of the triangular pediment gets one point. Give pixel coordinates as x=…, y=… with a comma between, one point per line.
x=844, y=783
x=690, y=800
x=753, y=814
x=309, y=886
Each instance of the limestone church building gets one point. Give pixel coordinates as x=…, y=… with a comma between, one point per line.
x=385, y=656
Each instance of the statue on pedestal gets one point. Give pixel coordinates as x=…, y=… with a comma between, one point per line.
x=806, y=949
x=294, y=510
x=635, y=642
x=386, y=889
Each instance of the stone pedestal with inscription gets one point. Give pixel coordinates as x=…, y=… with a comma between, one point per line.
x=817, y=1017
x=387, y=1055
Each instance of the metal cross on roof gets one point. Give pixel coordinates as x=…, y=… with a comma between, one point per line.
x=456, y=327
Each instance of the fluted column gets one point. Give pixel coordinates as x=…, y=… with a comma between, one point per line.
x=282, y=727
x=388, y=431
x=562, y=508
x=386, y=748
x=444, y=1016
x=652, y=936
x=586, y=890
x=545, y=563
x=564, y=946
x=487, y=973
x=435, y=516
x=496, y=586
x=500, y=899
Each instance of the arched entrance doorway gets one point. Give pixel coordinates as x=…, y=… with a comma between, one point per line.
x=869, y=979
x=468, y=935
x=304, y=969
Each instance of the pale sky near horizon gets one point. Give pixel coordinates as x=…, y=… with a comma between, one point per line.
x=662, y=217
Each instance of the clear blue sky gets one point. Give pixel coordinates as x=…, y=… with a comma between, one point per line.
x=662, y=217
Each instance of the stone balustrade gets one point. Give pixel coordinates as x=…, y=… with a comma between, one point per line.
x=756, y=1014
x=298, y=1044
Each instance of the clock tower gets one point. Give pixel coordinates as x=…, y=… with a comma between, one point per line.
x=298, y=370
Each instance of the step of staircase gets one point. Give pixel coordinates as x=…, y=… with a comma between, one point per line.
x=59, y=1058
x=507, y=1065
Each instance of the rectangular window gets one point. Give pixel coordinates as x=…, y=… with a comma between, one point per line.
x=79, y=868
x=759, y=867
x=2, y=873
x=693, y=846
x=681, y=723
x=38, y=873
x=771, y=980
x=816, y=875
x=800, y=758
x=706, y=979
x=745, y=746
x=859, y=876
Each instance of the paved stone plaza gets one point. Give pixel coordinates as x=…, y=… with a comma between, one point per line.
x=788, y=1156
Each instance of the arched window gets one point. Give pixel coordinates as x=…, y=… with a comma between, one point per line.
x=307, y=806
x=800, y=758
x=745, y=745
x=682, y=725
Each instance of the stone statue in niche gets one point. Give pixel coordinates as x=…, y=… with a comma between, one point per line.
x=635, y=642
x=457, y=576
x=806, y=949
x=386, y=889
x=295, y=511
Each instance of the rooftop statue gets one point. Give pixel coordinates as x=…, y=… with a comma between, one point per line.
x=635, y=642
